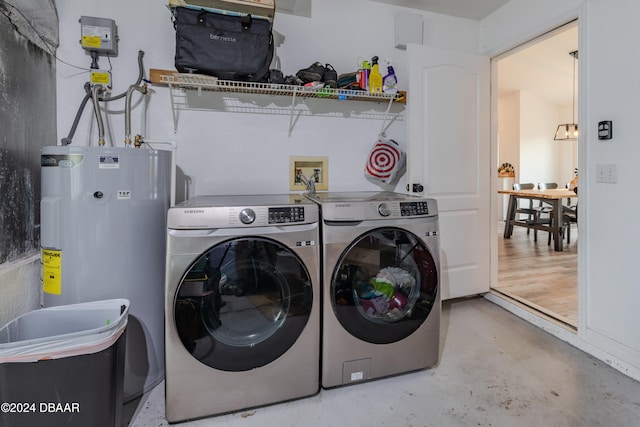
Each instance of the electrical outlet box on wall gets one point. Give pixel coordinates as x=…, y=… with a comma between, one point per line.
x=311, y=168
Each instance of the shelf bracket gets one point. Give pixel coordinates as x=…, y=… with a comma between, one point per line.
x=293, y=104
x=383, y=127
x=174, y=110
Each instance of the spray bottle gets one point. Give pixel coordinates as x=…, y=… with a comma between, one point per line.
x=390, y=81
x=366, y=70
x=375, y=78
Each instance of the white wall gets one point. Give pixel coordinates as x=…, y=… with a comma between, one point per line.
x=612, y=286
x=226, y=152
x=519, y=21
x=509, y=131
x=508, y=146
x=608, y=245
x=568, y=150
x=540, y=159
x=526, y=127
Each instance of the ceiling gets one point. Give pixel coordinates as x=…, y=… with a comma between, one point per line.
x=470, y=9
x=544, y=69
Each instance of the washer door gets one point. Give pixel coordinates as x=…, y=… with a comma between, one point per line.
x=384, y=286
x=243, y=303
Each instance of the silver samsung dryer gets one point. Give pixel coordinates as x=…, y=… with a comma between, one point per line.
x=381, y=286
x=242, y=305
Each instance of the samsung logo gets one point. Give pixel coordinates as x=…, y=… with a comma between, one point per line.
x=194, y=211
x=222, y=38
x=343, y=205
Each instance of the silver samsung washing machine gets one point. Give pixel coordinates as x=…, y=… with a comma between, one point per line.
x=381, y=288
x=242, y=306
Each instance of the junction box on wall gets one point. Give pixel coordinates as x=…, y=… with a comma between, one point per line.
x=99, y=36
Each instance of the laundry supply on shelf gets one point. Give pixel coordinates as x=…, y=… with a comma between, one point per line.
x=390, y=81
x=375, y=78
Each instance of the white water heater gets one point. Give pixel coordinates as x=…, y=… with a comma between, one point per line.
x=103, y=216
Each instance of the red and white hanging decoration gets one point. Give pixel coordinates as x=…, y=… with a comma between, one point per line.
x=385, y=161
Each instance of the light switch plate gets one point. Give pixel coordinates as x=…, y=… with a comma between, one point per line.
x=607, y=173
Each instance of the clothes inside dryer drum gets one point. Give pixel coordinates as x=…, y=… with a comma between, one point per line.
x=384, y=285
x=243, y=304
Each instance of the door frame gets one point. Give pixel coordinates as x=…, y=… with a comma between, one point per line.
x=535, y=318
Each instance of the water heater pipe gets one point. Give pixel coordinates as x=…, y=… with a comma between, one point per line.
x=67, y=140
x=96, y=108
x=127, y=111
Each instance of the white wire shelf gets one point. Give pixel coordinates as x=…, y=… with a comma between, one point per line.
x=203, y=82
x=199, y=82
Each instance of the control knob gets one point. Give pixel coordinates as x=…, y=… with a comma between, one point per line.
x=383, y=209
x=247, y=216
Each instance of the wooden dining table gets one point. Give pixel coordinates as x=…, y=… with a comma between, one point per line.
x=552, y=197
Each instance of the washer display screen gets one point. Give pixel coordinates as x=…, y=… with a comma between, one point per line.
x=243, y=304
x=384, y=286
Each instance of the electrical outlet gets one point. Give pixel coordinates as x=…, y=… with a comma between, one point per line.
x=607, y=173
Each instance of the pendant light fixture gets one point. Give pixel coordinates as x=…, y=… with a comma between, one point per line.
x=569, y=131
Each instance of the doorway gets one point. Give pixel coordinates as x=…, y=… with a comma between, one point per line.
x=537, y=90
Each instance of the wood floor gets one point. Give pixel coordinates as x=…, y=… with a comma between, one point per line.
x=534, y=274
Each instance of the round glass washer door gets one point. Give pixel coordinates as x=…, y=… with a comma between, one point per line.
x=243, y=303
x=384, y=285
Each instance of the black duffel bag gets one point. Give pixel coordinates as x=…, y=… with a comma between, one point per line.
x=226, y=46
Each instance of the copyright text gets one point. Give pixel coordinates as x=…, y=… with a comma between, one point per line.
x=39, y=407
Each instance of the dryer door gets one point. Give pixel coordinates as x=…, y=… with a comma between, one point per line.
x=243, y=303
x=384, y=285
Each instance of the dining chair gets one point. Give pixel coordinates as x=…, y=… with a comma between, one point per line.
x=530, y=211
x=568, y=187
x=569, y=216
x=546, y=186
x=543, y=210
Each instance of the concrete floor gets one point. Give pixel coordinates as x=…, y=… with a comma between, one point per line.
x=495, y=370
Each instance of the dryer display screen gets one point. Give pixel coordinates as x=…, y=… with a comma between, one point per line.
x=285, y=215
x=414, y=208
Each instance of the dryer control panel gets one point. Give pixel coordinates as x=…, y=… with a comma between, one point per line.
x=286, y=214
x=370, y=205
x=414, y=208
x=211, y=212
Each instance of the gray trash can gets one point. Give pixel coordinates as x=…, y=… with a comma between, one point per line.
x=64, y=366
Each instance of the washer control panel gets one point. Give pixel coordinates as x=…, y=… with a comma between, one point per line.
x=414, y=208
x=287, y=214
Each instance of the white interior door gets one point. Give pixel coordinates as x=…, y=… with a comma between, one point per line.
x=448, y=154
